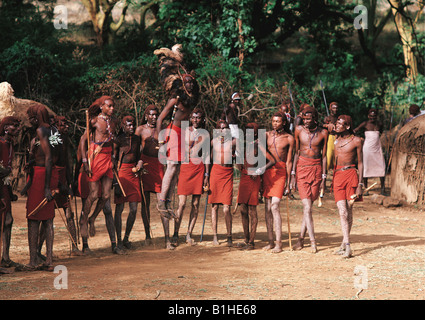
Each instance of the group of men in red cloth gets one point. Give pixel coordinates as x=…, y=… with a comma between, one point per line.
x=156, y=159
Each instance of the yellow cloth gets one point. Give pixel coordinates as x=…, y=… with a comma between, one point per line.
x=330, y=153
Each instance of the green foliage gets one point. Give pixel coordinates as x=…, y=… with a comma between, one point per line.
x=41, y=65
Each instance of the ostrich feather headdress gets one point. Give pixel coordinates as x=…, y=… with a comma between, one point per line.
x=171, y=63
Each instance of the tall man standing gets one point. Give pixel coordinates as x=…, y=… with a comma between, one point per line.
x=45, y=155
x=9, y=128
x=309, y=169
x=127, y=152
x=192, y=177
x=373, y=157
x=256, y=160
x=220, y=183
x=99, y=156
x=276, y=179
x=154, y=173
x=347, y=181
x=63, y=167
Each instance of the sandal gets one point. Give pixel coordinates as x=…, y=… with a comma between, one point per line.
x=46, y=267
x=9, y=264
x=5, y=271
x=25, y=267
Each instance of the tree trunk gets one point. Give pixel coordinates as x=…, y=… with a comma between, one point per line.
x=406, y=31
x=242, y=44
x=100, y=16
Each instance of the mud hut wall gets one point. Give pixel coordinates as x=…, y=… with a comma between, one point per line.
x=408, y=163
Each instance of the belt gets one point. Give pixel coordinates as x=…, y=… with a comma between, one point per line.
x=352, y=166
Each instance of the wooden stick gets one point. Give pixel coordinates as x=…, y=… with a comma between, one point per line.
x=41, y=204
x=287, y=218
x=76, y=216
x=88, y=141
x=64, y=222
x=354, y=196
x=142, y=191
x=320, y=198
x=205, y=215
x=39, y=207
x=119, y=182
x=3, y=217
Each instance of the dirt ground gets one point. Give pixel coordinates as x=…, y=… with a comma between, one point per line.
x=388, y=246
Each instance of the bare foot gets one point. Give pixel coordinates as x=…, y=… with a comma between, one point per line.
x=269, y=246
x=84, y=231
x=169, y=246
x=87, y=251
x=313, y=246
x=118, y=250
x=127, y=244
x=341, y=250
x=175, y=240
x=215, y=241
x=248, y=246
x=277, y=248
x=92, y=229
x=76, y=252
x=229, y=242
x=190, y=241
x=348, y=253
x=299, y=245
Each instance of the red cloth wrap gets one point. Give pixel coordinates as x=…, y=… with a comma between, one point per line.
x=152, y=181
x=174, y=145
x=61, y=199
x=345, y=184
x=221, y=185
x=309, y=177
x=83, y=185
x=274, y=180
x=6, y=156
x=36, y=194
x=101, y=164
x=248, y=189
x=191, y=178
x=130, y=183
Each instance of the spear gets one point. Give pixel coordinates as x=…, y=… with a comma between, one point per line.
x=287, y=218
x=205, y=214
x=292, y=101
x=324, y=97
